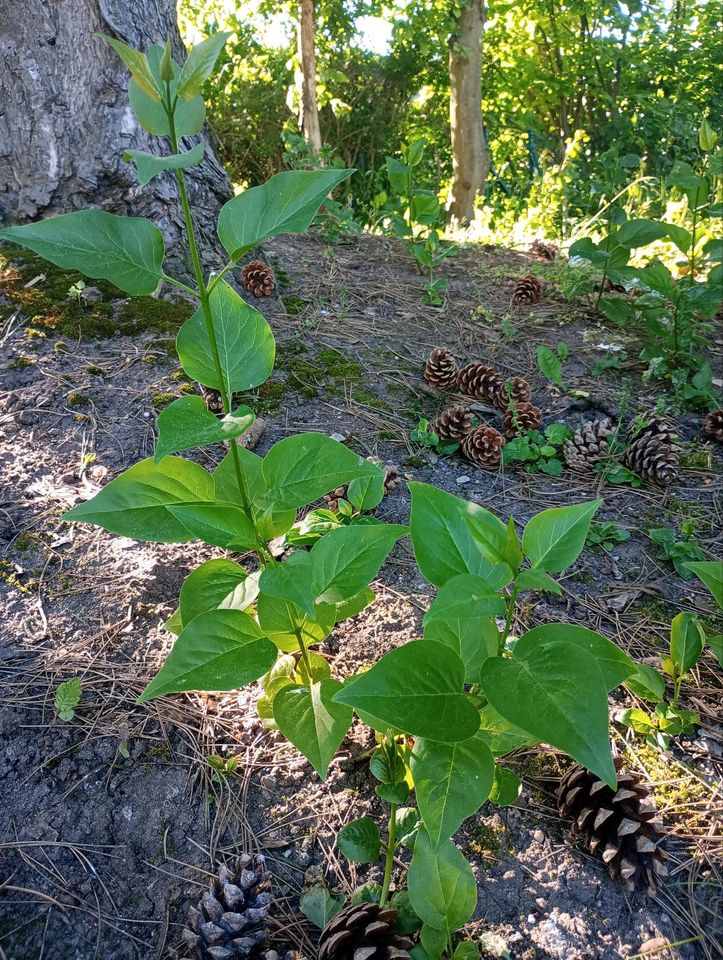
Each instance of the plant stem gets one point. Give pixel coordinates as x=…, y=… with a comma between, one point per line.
x=389, y=860
x=508, y=619
x=302, y=649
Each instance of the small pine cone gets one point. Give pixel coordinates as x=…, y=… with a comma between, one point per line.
x=514, y=390
x=213, y=400
x=257, y=278
x=544, y=250
x=231, y=920
x=713, y=426
x=391, y=478
x=619, y=824
x=483, y=446
x=480, y=382
x=587, y=445
x=528, y=290
x=452, y=424
x=363, y=932
x=652, y=453
x=520, y=418
x=391, y=482
x=440, y=371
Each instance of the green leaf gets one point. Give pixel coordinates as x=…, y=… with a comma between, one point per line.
x=347, y=559
x=187, y=423
x=646, y=683
x=615, y=665
x=491, y=536
x=506, y=787
x=137, y=503
x=639, y=233
x=128, y=251
x=199, y=65
x=451, y=781
x=291, y=580
x=150, y=165
x=555, y=538
x=442, y=887
x=354, y=605
x=549, y=364
x=707, y=137
x=218, y=650
x=220, y=524
x=67, y=698
x=716, y=645
x=406, y=825
x=318, y=669
x=280, y=619
x=537, y=580
x=270, y=522
x=466, y=951
x=617, y=309
x=501, y=736
x=246, y=344
x=217, y=583
x=302, y=468
x=557, y=695
x=313, y=720
x=443, y=542
x=657, y=277
x=710, y=572
x=360, y=841
x=174, y=624
x=188, y=115
x=416, y=688
x=287, y=203
x=681, y=237
x=367, y=493
x=686, y=642
x=319, y=906
x=137, y=64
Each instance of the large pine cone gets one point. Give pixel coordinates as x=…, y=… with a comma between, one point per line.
x=619, y=824
x=453, y=423
x=514, y=390
x=480, y=382
x=528, y=290
x=257, y=278
x=713, y=426
x=587, y=445
x=363, y=932
x=652, y=453
x=520, y=418
x=230, y=920
x=441, y=369
x=483, y=446
x=543, y=250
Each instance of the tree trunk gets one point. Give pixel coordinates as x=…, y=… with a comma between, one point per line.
x=65, y=120
x=309, y=118
x=470, y=159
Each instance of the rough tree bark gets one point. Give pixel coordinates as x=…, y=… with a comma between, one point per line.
x=470, y=159
x=309, y=117
x=65, y=120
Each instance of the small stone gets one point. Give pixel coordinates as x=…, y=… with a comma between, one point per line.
x=531, y=919
x=539, y=836
x=541, y=903
x=461, y=480
x=339, y=437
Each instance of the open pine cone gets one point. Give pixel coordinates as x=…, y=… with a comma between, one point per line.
x=587, y=445
x=713, y=426
x=483, y=446
x=363, y=932
x=543, y=250
x=480, y=382
x=620, y=824
x=514, y=390
x=527, y=290
x=231, y=920
x=257, y=278
x=652, y=453
x=520, y=418
x=440, y=371
x=453, y=423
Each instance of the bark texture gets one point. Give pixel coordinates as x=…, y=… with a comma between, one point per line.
x=470, y=159
x=65, y=119
x=309, y=119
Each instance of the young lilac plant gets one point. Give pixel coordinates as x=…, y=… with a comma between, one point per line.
x=446, y=707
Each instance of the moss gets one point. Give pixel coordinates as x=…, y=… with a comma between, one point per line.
x=695, y=457
x=266, y=398
x=76, y=399
x=147, y=313
x=369, y=399
x=95, y=371
x=187, y=388
x=80, y=417
x=674, y=788
x=293, y=305
x=288, y=352
x=161, y=400
x=24, y=542
x=7, y=573
x=32, y=333
x=20, y=363
x=60, y=346
x=180, y=375
x=338, y=366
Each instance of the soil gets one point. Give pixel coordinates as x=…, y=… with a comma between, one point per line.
x=110, y=822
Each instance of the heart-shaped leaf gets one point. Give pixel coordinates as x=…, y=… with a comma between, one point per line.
x=187, y=423
x=442, y=888
x=711, y=573
x=615, y=665
x=348, y=558
x=313, y=721
x=199, y=65
x=188, y=116
x=555, y=538
x=281, y=619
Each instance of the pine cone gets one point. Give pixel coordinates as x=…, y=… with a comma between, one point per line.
x=520, y=418
x=713, y=426
x=528, y=290
x=453, y=423
x=363, y=932
x=652, y=454
x=621, y=824
x=587, y=445
x=514, y=390
x=391, y=481
x=543, y=250
x=230, y=920
x=213, y=400
x=441, y=369
x=483, y=446
x=257, y=278
x=480, y=382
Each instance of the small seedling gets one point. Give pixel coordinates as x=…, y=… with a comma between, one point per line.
x=76, y=290
x=549, y=362
x=67, y=698
x=679, y=552
x=425, y=437
x=538, y=452
x=606, y=534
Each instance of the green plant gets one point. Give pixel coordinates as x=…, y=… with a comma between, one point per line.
x=425, y=437
x=606, y=534
x=679, y=552
x=67, y=698
x=538, y=452
x=549, y=362
x=76, y=290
